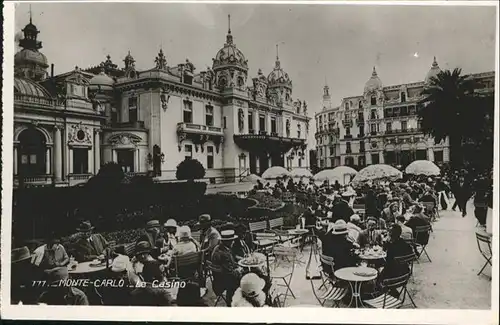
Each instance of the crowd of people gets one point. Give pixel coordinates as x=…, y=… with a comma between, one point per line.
x=391, y=212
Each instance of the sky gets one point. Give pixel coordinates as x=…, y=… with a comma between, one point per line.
x=336, y=44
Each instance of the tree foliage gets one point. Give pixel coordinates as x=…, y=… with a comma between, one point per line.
x=190, y=169
x=452, y=109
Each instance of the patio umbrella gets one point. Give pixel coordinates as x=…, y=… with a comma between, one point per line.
x=423, y=167
x=252, y=178
x=301, y=172
x=335, y=174
x=275, y=172
x=377, y=171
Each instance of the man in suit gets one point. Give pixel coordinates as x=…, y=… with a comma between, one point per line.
x=90, y=245
x=419, y=219
x=370, y=236
x=152, y=235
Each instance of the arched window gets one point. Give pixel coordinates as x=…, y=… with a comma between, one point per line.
x=403, y=97
x=222, y=82
x=373, y=100
x=346, y=105
x=31, y=152
x=241, y=82
x=360, y=104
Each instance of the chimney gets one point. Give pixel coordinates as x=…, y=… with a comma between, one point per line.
x=52, y=70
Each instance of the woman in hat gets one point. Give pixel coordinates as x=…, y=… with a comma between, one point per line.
x=152, y=236
x=50, y=255
x=144, y=265
x=119, y=272
x=186, y=244
x=250, y=292
x=171, y=233
x=370, y=236
x=90, y=245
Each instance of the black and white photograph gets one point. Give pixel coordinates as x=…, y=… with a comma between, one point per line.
x=335, y=156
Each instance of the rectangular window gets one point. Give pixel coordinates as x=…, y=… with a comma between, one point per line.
x=331, y=138
x=298, y=131
x=330, y=116
x=250, y=121
x=403, y=97
x=361, y=130
x=375, y=158
x=347, y=131
x=419, y=125
x=332, y=151
x=300, y=162
x=404, y=125
x=126, y=160
x=188, y=151
x=188, y=79
x=348, y=147
x=373, y=128
x=438, y=156
x=320, y=119
x=373, y=100
x=210, y=157
x=80, y=161
x=273, y=125
x=225, y=122
x=362, y=146
x=404, y=111
x=209, y=115
x=373, y=114
x=388, y=127
x=188, y=112
x=262, y=123
x=132, y=109
x=347, y=116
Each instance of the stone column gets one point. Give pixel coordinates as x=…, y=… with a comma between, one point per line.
x=245, y=121
x=97, y=152
x=57, y=155
x=256, y=127
x=90, y=161
x=430, y=154
x=137, y=167
x=15, y=160
x=381, y=157
x=70, y=155
x=47, y=161
x=268, y=124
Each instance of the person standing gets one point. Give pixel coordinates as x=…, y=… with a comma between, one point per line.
x=481, y=198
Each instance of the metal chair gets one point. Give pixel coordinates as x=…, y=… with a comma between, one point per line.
x=333, y=292
x=284, y=274
x=211, y=269
x=419, y=247
x=387, y=301
x=484, y=240
x=407, y=260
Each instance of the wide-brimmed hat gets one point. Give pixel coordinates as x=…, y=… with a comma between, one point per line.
x=85, y=226
x=142, y=247
x=339, y=227
x=228, y=235
x=120, y=263
x=252, y=285
x=152, y=224
x=20, y=254
x=204, y=218
x=171, y=223
x=58, y=274
x=348, y=193
x=355, y=217
x=184, y=232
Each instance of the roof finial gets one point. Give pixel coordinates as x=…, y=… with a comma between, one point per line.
x=30, y=15
x=277, y=52
x=434, y=63
x=229, y=24
x=374, y=73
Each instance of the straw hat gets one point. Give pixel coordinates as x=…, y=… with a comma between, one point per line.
x=252, y=285
x=120, y=263
x=184, y=232
x=85, y=226
x=20, y=254
x=339, y=227
x=171, y=223
x=355, y=218
x=152, y=224
x=228, y=235
x=142, y=247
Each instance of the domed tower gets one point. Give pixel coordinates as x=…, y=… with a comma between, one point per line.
x=433, y=72
x=101, y=93
x=229, y=65
x=29, y=62
x=279, y=83
x=373, y=90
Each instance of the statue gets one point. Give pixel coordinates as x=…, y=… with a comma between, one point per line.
x=189, y=66
x=161, y=61
x=288, y=128
x=241, y=120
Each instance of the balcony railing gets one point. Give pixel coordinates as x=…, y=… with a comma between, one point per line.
x=402, y=131
x=198, y=128
x=348, y=151
x=262, y=132
x=40, y=180
x=373, y=133
x=274, y=134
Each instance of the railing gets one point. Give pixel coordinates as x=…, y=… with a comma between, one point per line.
x=134, y=124
x=33, y=100
x=274, y=134
x=402, y=131
x=262, y=132
x=132, y=174
x=199, y=127
x=33, y=180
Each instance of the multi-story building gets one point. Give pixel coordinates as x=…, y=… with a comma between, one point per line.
x=381, y=126
x=66, y=126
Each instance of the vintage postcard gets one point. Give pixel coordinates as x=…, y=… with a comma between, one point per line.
x=329, y=155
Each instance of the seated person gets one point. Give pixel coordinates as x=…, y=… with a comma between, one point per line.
x=59, y=294
x=370, y=236
x=389, y=213
x=222, y=258
x=90, y=246
x=50, y=255
x=23, y=273
x=336, y=245
x=145, y=266
x=419, y=219
x=170, y=233
x=119, y=271
x=152, y=235
x=396, y=247
x=406, y=232
x=186, y=244
x=250, y=292
x=354, y=228
x=240, y=247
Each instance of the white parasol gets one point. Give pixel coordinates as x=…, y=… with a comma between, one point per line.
x=335, y=174
x=377, y=171
x=275, y=172
x=423, y=167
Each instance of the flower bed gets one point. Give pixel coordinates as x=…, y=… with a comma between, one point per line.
x=266, y=201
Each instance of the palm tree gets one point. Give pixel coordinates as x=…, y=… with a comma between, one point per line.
x=447, y=111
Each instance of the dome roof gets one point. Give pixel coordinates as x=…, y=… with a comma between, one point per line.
x=28, y=87
x=373, y=83
x=278, y=77
x=230, y=55
x=101, y=80
x=433, y=72
x=30, y=56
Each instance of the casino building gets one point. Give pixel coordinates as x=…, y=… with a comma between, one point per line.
x=381, y=125
x=66, y=126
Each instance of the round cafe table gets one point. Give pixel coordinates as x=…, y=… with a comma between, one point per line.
x=355, y=281
x=262, y=262
x=86, y=267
